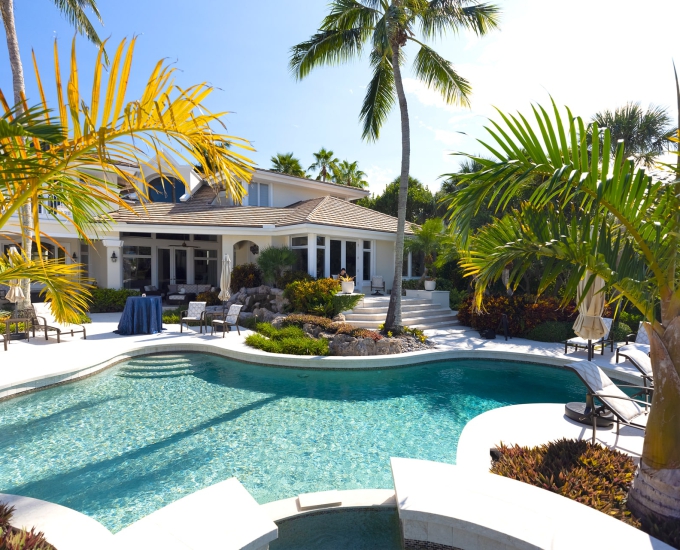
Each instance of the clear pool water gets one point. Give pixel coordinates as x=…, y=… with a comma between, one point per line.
x=136, y=437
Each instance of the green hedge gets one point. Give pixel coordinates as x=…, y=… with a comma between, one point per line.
x=110, y=300
x=551, y=331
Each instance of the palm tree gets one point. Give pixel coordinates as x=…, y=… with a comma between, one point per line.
x=427, y=239
x=74, y=10
x=348, y=173
x=323, y=162
x=68, y=158
x=645, y=132
x=286, y=163
x=592, y=212
x=387, y=26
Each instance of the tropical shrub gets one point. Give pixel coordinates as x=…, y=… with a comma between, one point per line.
x=288, y=277
x=633, y=320
x=13, y=538
x=273, y=261
x=551, y=331
x=620, y=331
x=345, y=302
x=289, y=340
x=211, y=298
x=524, y=312
x=315, y=297
x=110, y=300
x=245, y=275
x=456, y=298
x=171, y=316
x=593, y=475
x=299, y=319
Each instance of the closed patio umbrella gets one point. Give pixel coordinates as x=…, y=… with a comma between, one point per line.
x=589, y=324
x=15, y=293
x=225, y=279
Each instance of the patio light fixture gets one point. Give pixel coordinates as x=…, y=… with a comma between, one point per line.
x=114, y=258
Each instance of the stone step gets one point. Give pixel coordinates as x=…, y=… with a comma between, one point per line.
x=383, y=309
x=362, y=316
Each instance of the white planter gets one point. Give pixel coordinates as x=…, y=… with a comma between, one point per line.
x=347, y=287
x=429, y=285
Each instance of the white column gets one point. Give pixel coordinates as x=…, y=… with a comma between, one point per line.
x=343, y=254
x=311, y=254
x=327, y=256
x=114, y=270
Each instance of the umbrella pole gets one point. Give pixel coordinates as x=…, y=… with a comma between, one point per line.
x=590, y=350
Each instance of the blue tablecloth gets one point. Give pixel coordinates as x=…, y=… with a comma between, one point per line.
x=142, y=315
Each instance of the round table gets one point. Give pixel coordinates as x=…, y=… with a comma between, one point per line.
x=577, y=411
x=142, y=315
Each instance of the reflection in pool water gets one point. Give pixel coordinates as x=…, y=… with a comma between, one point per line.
x=136, y=437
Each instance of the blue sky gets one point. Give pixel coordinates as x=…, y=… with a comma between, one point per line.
x=589, y=54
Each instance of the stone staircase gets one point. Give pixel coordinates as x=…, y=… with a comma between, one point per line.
x=416, y=313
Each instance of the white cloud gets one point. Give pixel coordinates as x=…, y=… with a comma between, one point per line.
x=427, y=96
x=378, y=178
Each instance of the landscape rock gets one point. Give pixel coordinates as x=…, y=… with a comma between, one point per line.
x=339, y=318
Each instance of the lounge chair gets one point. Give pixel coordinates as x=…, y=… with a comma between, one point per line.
x=377, y=284
x=226, y=320
x=582, y=343
x=195, y=312
x=641, y=361
x=636, y=341
x=41, y=324
x=627, y=410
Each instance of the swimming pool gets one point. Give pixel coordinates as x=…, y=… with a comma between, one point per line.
x=130, y=440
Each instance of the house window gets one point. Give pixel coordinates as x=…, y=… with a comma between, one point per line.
x=205, y=267
x=135, y=234
x=258, y=194
x=299, y=246
x=320, y=257
x=136, y=266
x=49, y=251
x=165, y=189
x=208, y=238
x=51, y=204
x=367, y=261
x=173, y=236
x=84, y=259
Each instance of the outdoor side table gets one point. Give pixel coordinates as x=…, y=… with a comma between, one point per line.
x=142, y=315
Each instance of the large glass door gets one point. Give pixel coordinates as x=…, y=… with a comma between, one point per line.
x=351, y=258
x=172, y=267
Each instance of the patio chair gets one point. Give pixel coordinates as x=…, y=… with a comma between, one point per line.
x=626, y=409
x=41, y=324
x=195, y=312
x=227, y=320
x=640, y=342
x=578, y=342
x=377, y=284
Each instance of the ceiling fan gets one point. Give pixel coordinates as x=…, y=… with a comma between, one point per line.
x=183, y=245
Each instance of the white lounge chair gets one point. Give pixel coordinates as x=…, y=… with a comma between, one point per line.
x=578, y=342
x=195, y=312
x=627, y=410
x=641, y=361
x=641, y=343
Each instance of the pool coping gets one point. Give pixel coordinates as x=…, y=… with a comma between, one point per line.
x=253, y=356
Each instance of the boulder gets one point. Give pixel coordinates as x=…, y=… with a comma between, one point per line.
x=339, y=318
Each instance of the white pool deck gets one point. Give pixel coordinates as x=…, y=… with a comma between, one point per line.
x=30, y=365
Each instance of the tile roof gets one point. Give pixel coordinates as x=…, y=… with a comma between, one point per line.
x=328, y=211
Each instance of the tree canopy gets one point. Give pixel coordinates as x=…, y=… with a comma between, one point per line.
x=420, y=203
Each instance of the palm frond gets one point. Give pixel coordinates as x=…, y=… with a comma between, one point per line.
x=380, y=97
x=442, y=16
x=327, y=47
x=439, y=74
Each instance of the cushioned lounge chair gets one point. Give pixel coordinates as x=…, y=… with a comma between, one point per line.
x=636, y=341
x=641, y=361
x=195, y=312
x=41, y=324
x=626, y=409
x=582, y=343
x=226, y=320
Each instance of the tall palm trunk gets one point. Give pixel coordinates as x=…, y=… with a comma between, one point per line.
x=393, y=320
x=7, y=12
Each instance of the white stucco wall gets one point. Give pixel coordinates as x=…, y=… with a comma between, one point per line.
x=384, y=261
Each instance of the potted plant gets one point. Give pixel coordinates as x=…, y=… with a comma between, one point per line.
x=347, y=284
x=430, y=283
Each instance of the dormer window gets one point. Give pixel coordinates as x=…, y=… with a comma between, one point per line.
x=258, y=194
x=166, y=189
